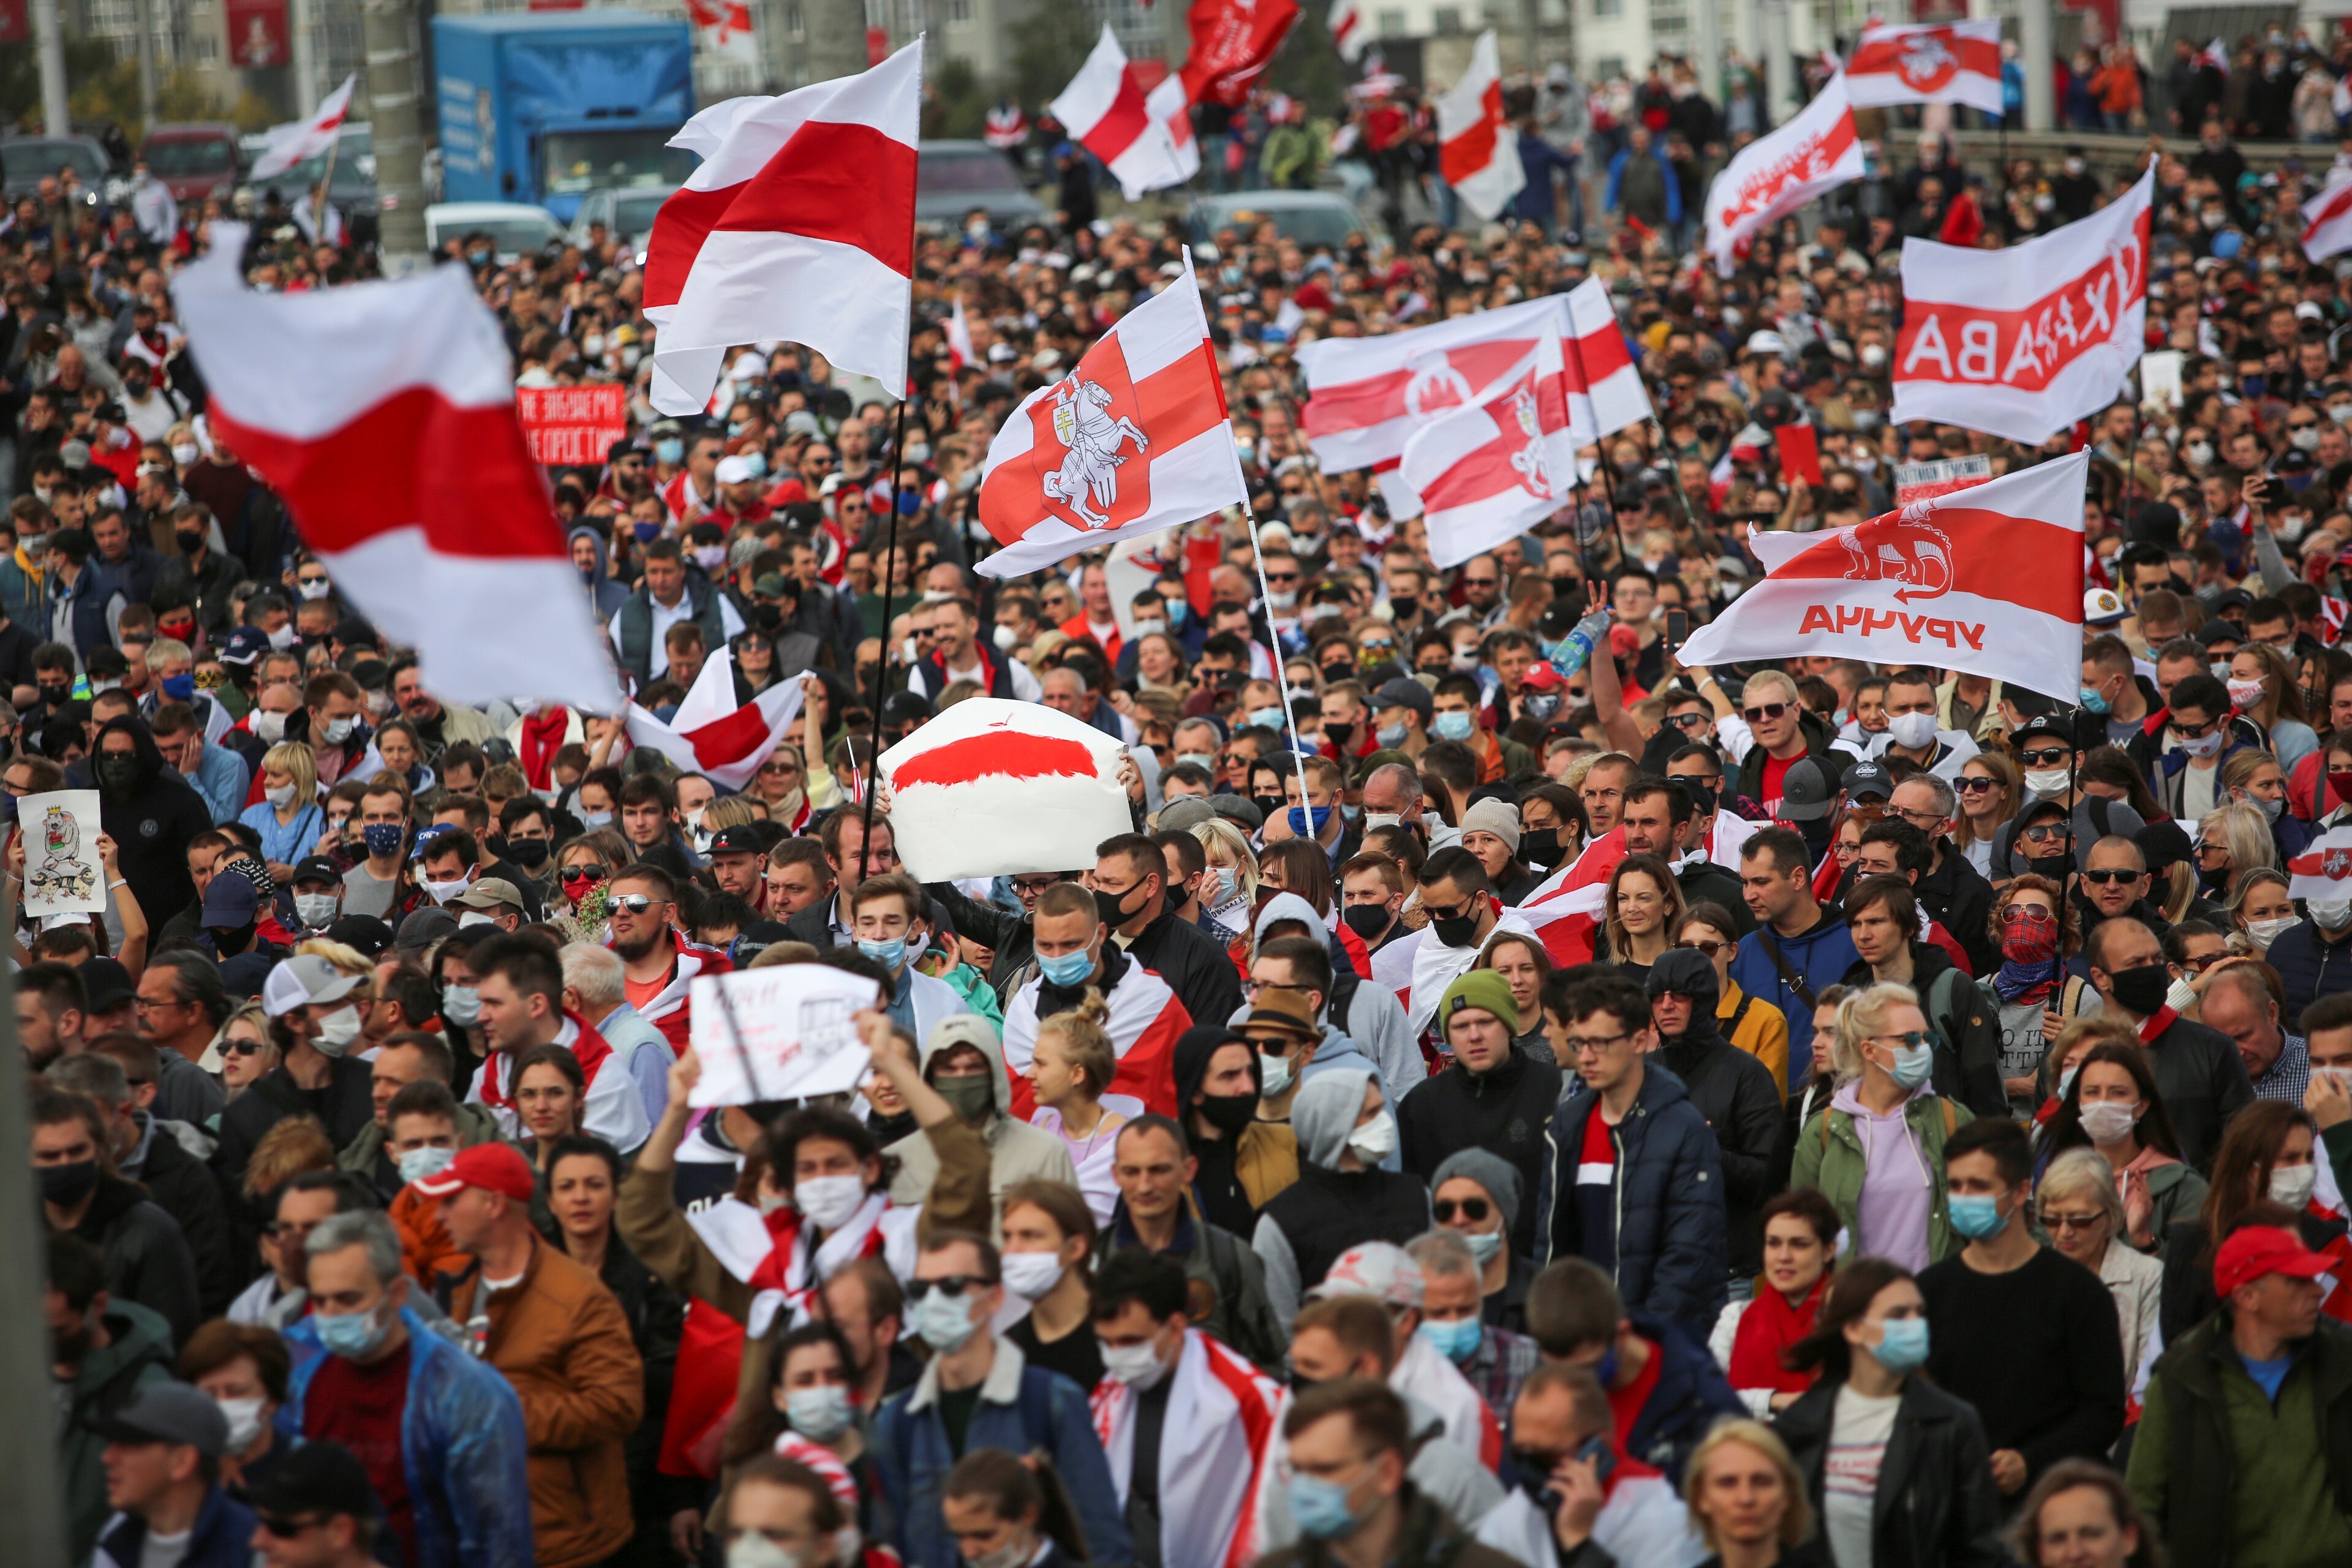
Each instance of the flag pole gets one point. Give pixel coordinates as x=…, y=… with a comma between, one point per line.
x=1281, y=682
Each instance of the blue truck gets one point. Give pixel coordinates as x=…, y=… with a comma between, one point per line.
x=545, y=107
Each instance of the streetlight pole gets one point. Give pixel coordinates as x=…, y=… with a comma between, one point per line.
x=394, y=113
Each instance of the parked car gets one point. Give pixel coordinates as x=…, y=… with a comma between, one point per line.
x=952, y=178
x=1309, y=218
x=350, y=186
x=194, y=161
x=626, y=213
x=513, y=227
x=27, y=161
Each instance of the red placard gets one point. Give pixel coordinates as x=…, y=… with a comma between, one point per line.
x=257, y=33
x=877, y=46
x=16, y=22
x=569, y=427
x=1800, y=453
x=1232, y=43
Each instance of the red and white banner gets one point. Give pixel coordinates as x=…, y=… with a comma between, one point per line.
x=1565, y=909
x=723, y=28
x=307, y=138
x=1490, y=470
x=1135, y=438
x=1344, y=22
x=1601, y=369
x=799, y=224
x=1045, y=784
x=2324, y=870
x=2327, y=220
x=1989, y=582
x=1143, y=138
x=2023, y=342
x=1232, y=43
x=383, y=414
x=1207, y=1483
x=1146, y=1020
x=1808, y=157
x=711, y=733
x=1478, y=152
x=959, y=333
x=1933, y=62
x=571, y=426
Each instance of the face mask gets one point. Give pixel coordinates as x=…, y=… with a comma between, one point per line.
x=270, y=728
x=1483, y=1246
x=2140, y=991
x=820, y=1413
x=1198, y=759
x=710, y=557
x=1454, y=724
x=2291, y=1186
x=829, y=1201
x=2205, y=745
x=185, y=453
x=944, y=1322
x=118, y=774
x=1299, y=817
x=2199, y=453
x=974, y=1097
x=1375, y=1141
x=529, y=853
x=1138, y=1366
x=1068, y=969
x=179, y=687
x=889, y=955
x=2094, y=701
x=2265, y=933
x=418, y=1164
x=1455, y=930
x=351, y=1335
x=314, y=910
x=280, y=797
x=1273, y=1074
x=337, y=1030
x=1011, y=1554
x=2109, y=1122
x=1222, y=889
x=669, y=452
x=1030, y=1275
x=1911, y=730
x=1903, y=1345
x=1367, y=920
x=1005, y=639
x=190, y=541
x=1320, y=1508
x=2340, y=412
x=1281, y=601
x=1266, y=718
x=1914, y=1065
x=2246, y=694
x=341, y=730
x=1392, y=736
x=1112, y=907
x=2330, y=914
x=68, y=1184
x=1230, y=1114
x=2046, y=784
x=2305, y=440
x=244, y=1421
x=383, y=837
x=1457, y=1340
x=597, y=818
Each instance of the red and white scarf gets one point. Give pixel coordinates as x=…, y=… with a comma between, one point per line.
x=1223, y=1414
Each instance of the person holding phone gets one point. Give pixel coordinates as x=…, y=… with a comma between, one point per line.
x=1578, y=1489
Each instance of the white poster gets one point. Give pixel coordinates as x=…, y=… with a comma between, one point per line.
x=784, y=1033
x=63, y=875
x=997, y=788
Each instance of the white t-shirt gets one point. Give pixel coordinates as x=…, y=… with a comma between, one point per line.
x=164, y=1550
x=1858, y=1434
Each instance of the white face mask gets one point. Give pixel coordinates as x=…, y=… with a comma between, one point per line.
x=2045, y=783
x=2266, y=932
x=337, y=1030
x=2107, y=1122
x=444, y=891
x=1005, y=639
x=1030, y=1275
x=1274, y=1074
x=281, y=796
x=1138, y=1366
x=1376, y=1140
x=244, y=1421
x=314, y=910
x=2330, y=914
x=819, y=1413
x=2291, y=1186
x=270, y=728
x=1912, y=730
x=829, y=1201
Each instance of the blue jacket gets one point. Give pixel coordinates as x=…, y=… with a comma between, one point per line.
x=1820, y=958
x=461, y=1443
x=1690, y=1396
x=220, y=777
x=1672, y=1240
x=222, y=1537
x=91, y=607
x=1021, y=1407
x=1666, y=167
x=2309, y=967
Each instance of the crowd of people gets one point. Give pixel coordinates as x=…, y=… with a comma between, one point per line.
x=1947, y=1182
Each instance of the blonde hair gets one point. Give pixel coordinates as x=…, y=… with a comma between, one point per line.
x=346, y=959
x=1796, y=1519
x=1219, y=834
x=1085, y=1042
x=2085, y=1171
x=729, y=811
x=298, y=761
x=2245, y=832
x=1861, y=1016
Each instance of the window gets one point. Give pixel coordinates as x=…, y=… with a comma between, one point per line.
x=1449, y=18
x=959, y=13
x=1608, y=8
x=793, y=26
x=1391, y=23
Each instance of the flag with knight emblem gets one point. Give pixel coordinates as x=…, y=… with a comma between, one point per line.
x=2324, y=870
x=1135, y=438
x=1489, y=470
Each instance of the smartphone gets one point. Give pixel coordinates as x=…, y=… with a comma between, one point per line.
x=2271, y=491
x=1677, y=631
x=1602, y=1457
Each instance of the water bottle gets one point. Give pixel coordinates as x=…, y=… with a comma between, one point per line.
x=1569, y=654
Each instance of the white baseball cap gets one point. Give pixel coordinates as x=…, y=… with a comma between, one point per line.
x=303, y=980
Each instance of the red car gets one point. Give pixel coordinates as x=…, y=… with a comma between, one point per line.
x=196, y=160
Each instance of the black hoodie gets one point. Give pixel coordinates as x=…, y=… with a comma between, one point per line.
x=1733, y=1091
x=151, y=823
x=1218, y=1183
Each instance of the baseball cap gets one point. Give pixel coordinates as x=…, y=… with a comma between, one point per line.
x=245, y=646
x=2260, y=1249
x=302, y=980
x=321, y=1478
x=2102, y=607
x=170, y=1412
x=1238, y=809
x=494, y=1167
x=2045, y=726
x=229, y=901
x=735, y=470
x=488, y=893
x=740, y=839
x=422, y=928
x=1804, y=792
x=1380, y=1269
x=106, y=985
x=315, y=869
x=1767, y=343
x=425, y=836
x=1868, y=778
x=1405, y=692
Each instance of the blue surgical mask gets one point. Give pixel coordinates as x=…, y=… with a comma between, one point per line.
x=180, y=688
x=384, y=837
x=888, y=954
x=1392, y=736
x=2093, y=701
x=670, y=451
x=1320, y=1508
x=646, y=532
x=1199, y=759
x=1903, y=1345
x=351, y=1335
x=1457, y=1340
x=1067, y=969
x=418, y=1163
x=1266, y=718
x=1298, y=816
x=1914, y=1065
x=1453, y=725
x=1976, y=1215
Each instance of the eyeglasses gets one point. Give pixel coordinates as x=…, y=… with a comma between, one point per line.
x=2201, y=964
x=1251, y=989
x=2054, y=756
x=1579, y=1044
x=1764, y=711
x=2108, y=878
x=634, y=903
x=573, y=877
x=1281, y=576
x=1706, y=948
x=151, y=1003
x=1689, y=723
x=952, y=1284
x=286, y=1529
x=242, y=1047
x=1926, y=821
x=2042, y=832
x=1029, y=887
x=779, y=769
x=1475, y=1210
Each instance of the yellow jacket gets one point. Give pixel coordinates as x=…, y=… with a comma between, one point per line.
x=1763, y=1033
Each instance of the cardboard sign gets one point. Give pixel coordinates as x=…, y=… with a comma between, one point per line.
x=785, y=1032
x=571, y=426
x=63, y=875
x=996, y=788
x=1925, y=482
x=2160, y=376
x=1800, y=453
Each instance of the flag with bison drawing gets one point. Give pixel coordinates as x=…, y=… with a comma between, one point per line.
x=1987, y=580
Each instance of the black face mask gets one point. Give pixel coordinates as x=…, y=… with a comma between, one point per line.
x=1454, y=930
x=120, y=774
x=190, y=539
x=1340, y=735
x=1267, y=804
x=68, y=1184
x=1367, y=920
x=2054, y=867
x=230, y=941
x=770, y=618
x=1113, y=908
x=2141, y=990
x=1816, y=835
x=527, y=853
x=1703, y=793
x=54, y=695
x=1540, y=848
x=1566, y=587
x=1337, y=672
x=1230, y=1114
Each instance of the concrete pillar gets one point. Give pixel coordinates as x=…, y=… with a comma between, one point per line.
x=1780, y=68
x=389, y=31
x=2034, y=51
x=49, y=34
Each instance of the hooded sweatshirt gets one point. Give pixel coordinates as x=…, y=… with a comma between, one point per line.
x=1735, y=1093
x=151, y=821
x=1016, y=1151
x=605, y=594
x=1898, y=1189
x=1306, y=1226
x=1236, y=1176
x=1369, y=1015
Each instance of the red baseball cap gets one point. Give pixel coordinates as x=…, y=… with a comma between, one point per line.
x=2257, y=1250
x=494, y=1167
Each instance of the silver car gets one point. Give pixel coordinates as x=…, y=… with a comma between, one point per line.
x=626, y=212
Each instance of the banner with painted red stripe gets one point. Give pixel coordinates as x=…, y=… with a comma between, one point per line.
x=1477, y=151
x=2024, y=342
x=1810, y=155
x=1931, y=62
x=997, y=788
x=1601, y=363
x=798, y=224
x=2324, y=870
x=2327, y=220
x=1493, y=469
x=1135, y=438
x=1988, y=581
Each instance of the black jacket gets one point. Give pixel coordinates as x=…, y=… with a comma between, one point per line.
x=151, y=824
x=147, y=1258
x=346, y=1106
x=185, y=1188
x=2203, y=1082
x=1709, y=883
x=1735, y=1093
x=2309, y=967
x=1935, y=1506
x=1200, y=971
x=1967, y=1032
x=1818, y=737
x=1503, y=1112
x=1960, y=900
x=1326, y=1211
x=1010, y=934
x=1430, y=1539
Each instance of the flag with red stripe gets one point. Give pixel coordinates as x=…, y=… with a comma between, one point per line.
x=1600, y=361
x=1143, y=137
x=2324, y=870
x=309, y=137
x=1146, y=1017
x=1217, y=1429
x=1135, y=438
x=1488, y=472
x=1565, y=909
x=1344, y=22
x=2327, y=220
x=1934, y=62
x=1988, y=581
x=799, y=224
x=1477, y=149
x=711, y=733
x=1812, y=153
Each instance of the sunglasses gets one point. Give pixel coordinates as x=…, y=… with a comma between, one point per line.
x=1475, y=1210
x=2050, y=757
x=283, y=1528
x=578, y=877
x=1764, y=711
x=1911, y=1039
x=2042, y=832
x=1708, y=949
x=1975, y=786
x=242, y=1047
x=953, y=1284
x=2108, y=879
x=1690, y=723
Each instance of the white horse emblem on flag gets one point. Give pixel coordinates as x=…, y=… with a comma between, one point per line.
x=1534, y=473
x=1093, y=434
x=1926, y=61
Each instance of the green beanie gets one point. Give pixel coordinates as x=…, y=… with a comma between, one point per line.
x=1481, y=988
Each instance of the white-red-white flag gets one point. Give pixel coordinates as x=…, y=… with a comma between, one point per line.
x=2023, y=342
x=714, y=735
x=309, y=137
x=1135, y=438
x=1988, y=581
x=2324, y=870
x=799, y=224
x=1134, y=132
x=1929, y=62
x=1489, y=472
x=1566, y=907
x=1775, y=175
x=1006, y=127
x=1477, y=151
x=2327, y=218
x=383, y=415
x=723, y=28
x=960, y=336
x=1601, y=364
x=1344, y=22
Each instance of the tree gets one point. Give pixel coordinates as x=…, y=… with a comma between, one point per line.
x=20, y=77
x=1306, y=67
x=1047, y=51
x=954, y=102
